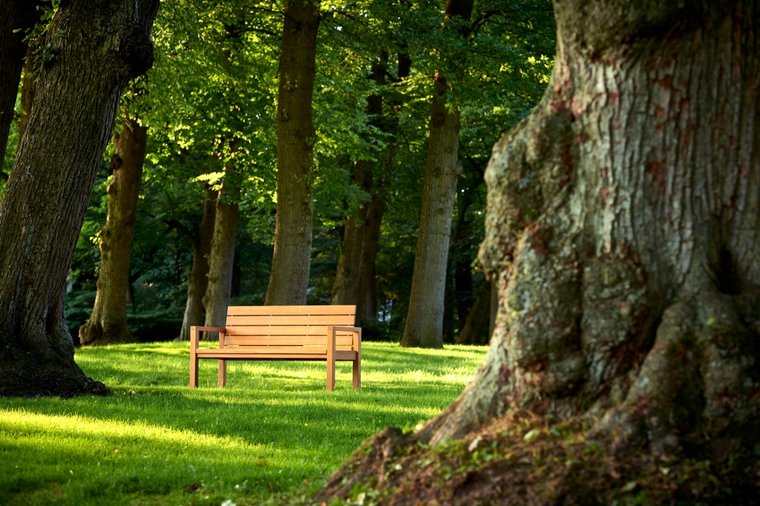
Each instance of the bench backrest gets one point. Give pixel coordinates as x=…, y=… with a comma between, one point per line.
x=287, y=325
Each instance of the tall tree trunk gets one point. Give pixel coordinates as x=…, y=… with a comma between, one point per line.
x=197, y=280
x=108, y=322
x=424, y=319
x=98, y=46
x=18, y=17
x=291, y=260
x=623, y=235
x=356, y=262
x=222, y=254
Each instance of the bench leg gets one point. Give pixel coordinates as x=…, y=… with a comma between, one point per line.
x=222, y=373
x=357, y=373
x=193, y=370
x=330, y=358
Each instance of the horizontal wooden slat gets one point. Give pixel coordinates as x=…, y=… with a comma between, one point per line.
x=292, y=310
x=253, y=340
x=281, y=330
x=234, y=320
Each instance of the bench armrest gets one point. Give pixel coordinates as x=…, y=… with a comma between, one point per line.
x=209, y=329
x=347, y=329
x=356, y=341
x=195, y=332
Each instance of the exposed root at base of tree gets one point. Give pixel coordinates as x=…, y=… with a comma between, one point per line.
x=522, y=460
x=29, y=375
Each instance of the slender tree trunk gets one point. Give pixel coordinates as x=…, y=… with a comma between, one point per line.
x=477, y=328
x=345, y=288
x=424, y=319
x=50, y=184
x=222, y=255
x=291, y=260
x=17, y=17
x=367, y=305
x=108, y=322
x=623, y=235
x=197, y=280
x=356, y=262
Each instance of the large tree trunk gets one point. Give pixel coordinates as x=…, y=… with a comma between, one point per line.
x=644, y=181
x=98, y=47
x=197, y=280
x=108, y=322
x=622, y=233
x=424, y=320
x=18, y=17
x=295, y=155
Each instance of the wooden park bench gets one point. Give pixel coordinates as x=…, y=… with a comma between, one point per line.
x=324, y=333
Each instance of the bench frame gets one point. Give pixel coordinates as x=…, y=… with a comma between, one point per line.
x=319, y=333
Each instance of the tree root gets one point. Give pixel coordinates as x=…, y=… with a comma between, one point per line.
x=24, y=374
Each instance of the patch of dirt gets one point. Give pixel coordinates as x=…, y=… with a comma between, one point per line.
x=521, y=460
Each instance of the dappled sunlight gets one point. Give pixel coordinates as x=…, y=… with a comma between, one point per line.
x=61, y=428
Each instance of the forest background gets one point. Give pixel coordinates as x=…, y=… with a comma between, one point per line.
x=208, y=111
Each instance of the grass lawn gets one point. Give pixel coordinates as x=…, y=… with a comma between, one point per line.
x=273, y=435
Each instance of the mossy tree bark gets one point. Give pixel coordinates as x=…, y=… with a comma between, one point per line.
x=291, y=260
x=623, y=235
x=423, y=326
x=108, y=322
x=96, y=48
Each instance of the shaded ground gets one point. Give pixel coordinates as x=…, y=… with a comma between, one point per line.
x=25, y=374
x=524, y=461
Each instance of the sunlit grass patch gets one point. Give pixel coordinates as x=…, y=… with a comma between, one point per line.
x=273, y=430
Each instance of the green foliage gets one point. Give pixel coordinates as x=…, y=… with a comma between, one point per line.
x=274, y=434
x=209, y=104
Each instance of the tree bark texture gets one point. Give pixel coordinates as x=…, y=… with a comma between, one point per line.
x=291, y=259
x=197, y=280
x=28, y=85
x=222, y=254
x=423, y=326
x=18, y=16
x=95, y=48
x=108, y=322
x=623, y=232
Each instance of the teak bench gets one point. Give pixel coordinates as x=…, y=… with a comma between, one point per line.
x=283, y=333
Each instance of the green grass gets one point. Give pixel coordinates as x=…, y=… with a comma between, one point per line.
x=273, y=434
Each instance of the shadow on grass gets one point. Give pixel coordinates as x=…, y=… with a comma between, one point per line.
x=274, y=429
